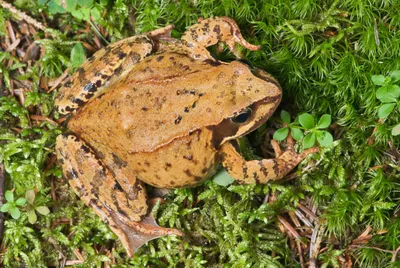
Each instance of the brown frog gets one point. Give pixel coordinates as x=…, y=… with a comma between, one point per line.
x=157, y=110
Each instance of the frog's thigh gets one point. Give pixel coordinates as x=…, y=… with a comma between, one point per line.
x=259, y=171
x=94, y=183
x=100, y=70
x=118, y=168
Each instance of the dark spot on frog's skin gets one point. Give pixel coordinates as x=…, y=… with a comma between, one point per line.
x=172, y=183
x=167, y=166
x=118, y=70
x=72, y=174
x=159, y=58
x=85, y=149
x=172, y=58
x=147, y=69
x=147, y=163
x=118, y=161
x=145, y=109
x=263, y=169
x=256, y=178
x=189, y=174
x=104, y=76
x=89, y=96
x=81, y=71
x=90, y=87
x=194, y=104
x=188, y=157
x=204, y=170
x=118, y=186
x=78, y=101
x=68, y=84
x=98, y=83
x=100, y=96
x=157, y=177
x=91, y=59
x=178, y=119
x=121, y=55
x=212, y=63
x=186, y=110
x=135, y=57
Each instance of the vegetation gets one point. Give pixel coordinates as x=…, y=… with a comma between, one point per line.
x=337, y=61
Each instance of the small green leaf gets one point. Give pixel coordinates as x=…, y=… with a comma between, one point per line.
x=309, y=140
x=394, y=90
x=43, y=210
x=281, y=134
x=30, y=196
x=15, y=213
x=32, y=217
x=285, y=116
x=324, y=138
x=396, y=130
x=297, y=133
x=55, y=8
x=86, y=3
x=223, y=178
x=42, y=2
x=386, y=109
x=20, y=201
x=307, y=121
x=384, y=94
x=9, y=196
x=324, y=121
x=77, y=13
x=5, y=207
x=77, y=55
x=395, y=76
x=95, y=13
x=71, y=5
x=378, y=79
x=86, y=13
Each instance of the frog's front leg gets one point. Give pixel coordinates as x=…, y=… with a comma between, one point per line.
x=262, y=171
x=98, y=189
x=209, y=32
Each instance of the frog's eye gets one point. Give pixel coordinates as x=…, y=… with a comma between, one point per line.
x=242, y=117
x=247, y=62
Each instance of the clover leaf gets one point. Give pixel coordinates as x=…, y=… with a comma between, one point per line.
x=12, y=206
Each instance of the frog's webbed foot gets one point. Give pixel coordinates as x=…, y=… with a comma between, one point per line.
x=262, y=171
x=122, y=207
x=133, y=235
x=209, y=32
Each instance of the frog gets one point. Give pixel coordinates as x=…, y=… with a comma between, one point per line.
x=157, y=110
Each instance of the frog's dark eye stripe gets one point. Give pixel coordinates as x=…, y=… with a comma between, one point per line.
x=242, y=117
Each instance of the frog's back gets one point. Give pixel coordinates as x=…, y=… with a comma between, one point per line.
x=165, y=97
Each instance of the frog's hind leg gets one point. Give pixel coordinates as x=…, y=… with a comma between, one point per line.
x=262, y=171
x=98, y=189
x=210, y=31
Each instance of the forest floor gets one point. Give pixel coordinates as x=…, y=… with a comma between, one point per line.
x=338, y=208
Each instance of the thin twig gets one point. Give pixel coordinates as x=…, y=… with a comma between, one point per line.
x=22, y=16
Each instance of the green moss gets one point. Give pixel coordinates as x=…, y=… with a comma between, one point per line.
x=323, y=53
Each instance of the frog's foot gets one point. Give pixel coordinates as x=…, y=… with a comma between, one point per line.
x=209, y=32
x=262, y=171
x=133, y=235
x=118, y=204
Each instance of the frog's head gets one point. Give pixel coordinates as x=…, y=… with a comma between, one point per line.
x=252, y=109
